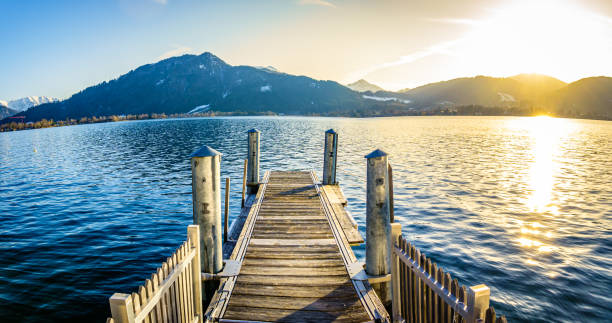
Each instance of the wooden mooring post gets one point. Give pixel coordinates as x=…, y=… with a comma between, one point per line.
x=330, y=157
x=206, y=190
x=378, y=226
x=253, y=161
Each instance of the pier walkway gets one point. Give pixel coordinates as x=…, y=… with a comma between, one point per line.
x=296, y=260
x=287, y=256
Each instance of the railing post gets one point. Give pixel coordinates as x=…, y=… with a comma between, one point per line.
x=396, y=303
x=193, y=231
x=226, y=213
x=206, y=190
x=253, y=161
x=478, y=302
x=122, y=309
x=391, y=202
x=330, y=157
x=244, y=176
x=378, y=227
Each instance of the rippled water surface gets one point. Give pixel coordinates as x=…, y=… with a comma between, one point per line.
x=523, y=205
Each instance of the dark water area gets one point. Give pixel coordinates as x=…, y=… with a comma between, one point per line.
x=523, y=205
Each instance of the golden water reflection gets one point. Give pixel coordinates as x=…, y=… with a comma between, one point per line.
x=547, y=135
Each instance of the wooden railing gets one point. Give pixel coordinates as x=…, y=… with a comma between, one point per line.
x=423, y=292
x=173, y=294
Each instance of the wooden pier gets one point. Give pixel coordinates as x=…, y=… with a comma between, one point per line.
x=287, y=256
x=296, y=260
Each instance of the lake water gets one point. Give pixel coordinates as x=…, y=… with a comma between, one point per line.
x=523, y=205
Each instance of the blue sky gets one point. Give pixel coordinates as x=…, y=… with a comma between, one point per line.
x=56, y=48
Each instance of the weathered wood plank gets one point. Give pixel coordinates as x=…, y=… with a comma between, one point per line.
x=293, y=255
x=289, y=219
x=263, y=235
x=349, y=226
x=298, y=229
x=490, y=316
x=278, y=315
x=297, y=303
x=292, y=243
x=297, y=219
x=327, y=291
x=305, y=263
x=292, y=266
x=293, y=280
x=366, y=293
x=219, y=301
x=339, y=270
x=295, y=248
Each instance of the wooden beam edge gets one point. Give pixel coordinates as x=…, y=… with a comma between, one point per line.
x=351, y=230
x=367, y=296
x=226, y=285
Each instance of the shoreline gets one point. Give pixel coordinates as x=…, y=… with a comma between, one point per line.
x=44, y=123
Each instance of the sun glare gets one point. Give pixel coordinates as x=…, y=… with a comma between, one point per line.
x=545, y=132
x=557, y=38
x=547, y=135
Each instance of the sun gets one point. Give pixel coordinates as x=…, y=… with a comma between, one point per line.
x=559, y=38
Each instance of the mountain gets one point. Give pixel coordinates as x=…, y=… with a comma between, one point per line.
x=27, y=102
x=479, y=90
x=590, y=96
x=6, y=111
x=522, y=89
x=205, y=82
x=364, y=86
x=539, y=82
x=536, y=88
x=268, y=68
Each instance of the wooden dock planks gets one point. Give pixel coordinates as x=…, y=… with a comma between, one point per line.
x=337, y=201
x=294, y=267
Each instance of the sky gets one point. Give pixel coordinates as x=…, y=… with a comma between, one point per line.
x=57, y=48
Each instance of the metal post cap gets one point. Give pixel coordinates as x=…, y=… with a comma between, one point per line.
x=376, y=153
x=205, y=151
x=330, y=131
x=253, y=130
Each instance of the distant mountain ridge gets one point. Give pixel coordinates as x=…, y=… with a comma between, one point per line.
x=181, y=84
x=484, y=90
x=364, y=86
x=27, y=102
x=206, y=84
x=6, y=111
x=12, y=107
x=586, y=97
x=592, y=94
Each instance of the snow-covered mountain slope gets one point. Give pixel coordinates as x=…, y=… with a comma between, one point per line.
x=6, y=112
x=27, y=102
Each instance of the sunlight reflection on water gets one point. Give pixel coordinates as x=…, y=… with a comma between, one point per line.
x=549, y=142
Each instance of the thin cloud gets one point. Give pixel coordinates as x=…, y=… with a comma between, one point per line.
x=440, y=48
x=443, y=48
x=175, y=52
x=317, y=3
x=161, y=1
x=455, y=21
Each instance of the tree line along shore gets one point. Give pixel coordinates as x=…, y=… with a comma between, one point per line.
x=468, y=110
